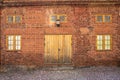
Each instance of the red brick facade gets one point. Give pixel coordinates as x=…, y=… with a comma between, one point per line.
x=35, y=25
x=0, y=32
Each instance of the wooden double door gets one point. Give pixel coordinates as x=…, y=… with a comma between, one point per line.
x=58, y=49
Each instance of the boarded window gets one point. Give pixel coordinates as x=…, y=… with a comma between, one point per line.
x=104, y=42
x=14, y=42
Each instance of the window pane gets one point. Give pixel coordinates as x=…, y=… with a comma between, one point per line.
x=99, y=48
x=107, y=37
x=10, y=47
x=10, y=42
x=62, y=18
x=99, y=42
x=107, y=47
x=18, y=42
x=17, y=19
x=10, y=18
x=17, y=47
x=107, y=42
x=18, y=38
x=14, y=42
x=99, y=18
x=53, y=18
x=103, y=42
x=107, y=18
x=10, y=38
x=99, y=37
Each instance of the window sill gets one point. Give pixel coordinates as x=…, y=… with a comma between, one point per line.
x=13, y=50
x=103, y=50
x=103, y=22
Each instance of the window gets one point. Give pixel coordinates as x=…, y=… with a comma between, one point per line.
x=14, y=19
x=99, y=18
x=103, y=18
x=10, y=19
x=13, y=42
x=99, y=42
x=104, y=42
x=62, y=18
x=107, y=18
x=17, y=19
x=55, y=17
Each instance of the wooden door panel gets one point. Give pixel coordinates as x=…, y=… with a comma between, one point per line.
x=51, y=52
x=54, y=49
x=58, y=48
x=67, y=49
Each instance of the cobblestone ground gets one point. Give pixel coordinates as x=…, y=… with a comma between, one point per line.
x=92, y=73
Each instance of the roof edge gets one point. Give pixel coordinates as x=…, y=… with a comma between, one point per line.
x=37, y=3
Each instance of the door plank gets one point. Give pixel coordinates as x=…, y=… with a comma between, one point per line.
x=54, y=49
x=67, y=49
x=60, y=50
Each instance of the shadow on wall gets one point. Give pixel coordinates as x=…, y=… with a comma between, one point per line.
x=118, y=63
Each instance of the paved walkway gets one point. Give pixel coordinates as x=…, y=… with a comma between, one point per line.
x=93, y=73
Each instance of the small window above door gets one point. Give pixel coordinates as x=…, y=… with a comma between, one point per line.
x=61, y=17
x=14, y=19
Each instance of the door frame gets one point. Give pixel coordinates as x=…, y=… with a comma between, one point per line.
x=59, y=64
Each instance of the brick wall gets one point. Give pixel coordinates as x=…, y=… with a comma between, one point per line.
x=0, y=33
x=35, y=24
x=104, y=57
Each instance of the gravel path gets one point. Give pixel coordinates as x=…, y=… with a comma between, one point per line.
x=93, y=73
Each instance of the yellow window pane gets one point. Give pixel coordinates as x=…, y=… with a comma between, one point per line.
x=10, y=42
x=99, y=37
x=99, y=42
x=107, y=42
x=107, y=47
x=18, y=37
x=18, y=42
x=18, y=47
x=99, y=48
x=107, y=37
x=10, y=47
x=10, y=38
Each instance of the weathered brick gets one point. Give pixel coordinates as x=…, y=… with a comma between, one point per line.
x=35, y=25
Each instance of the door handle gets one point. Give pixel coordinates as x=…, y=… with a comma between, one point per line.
x=58, y=49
